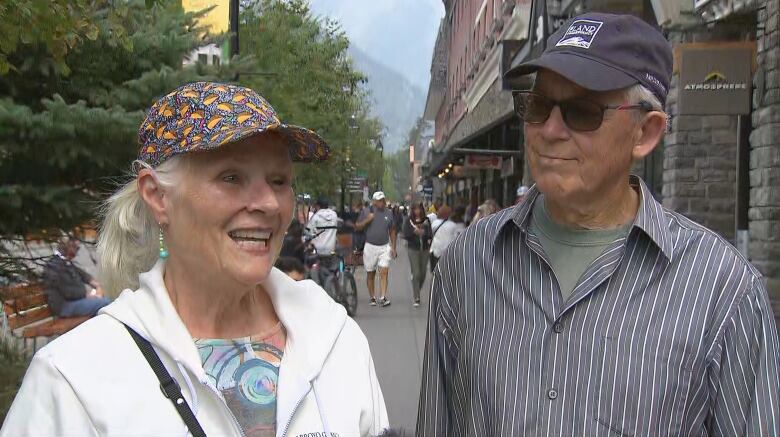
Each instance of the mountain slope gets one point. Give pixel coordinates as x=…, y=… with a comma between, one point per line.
x=395, y=101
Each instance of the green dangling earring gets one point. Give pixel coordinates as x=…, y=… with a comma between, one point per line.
x=163, y=251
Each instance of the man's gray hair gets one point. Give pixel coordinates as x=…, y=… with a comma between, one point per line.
x=638, y=93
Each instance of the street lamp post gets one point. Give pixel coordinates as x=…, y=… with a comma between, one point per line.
x=381, y=149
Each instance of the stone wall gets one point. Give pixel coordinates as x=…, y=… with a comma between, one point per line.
x=764, y=211
x=700, y=167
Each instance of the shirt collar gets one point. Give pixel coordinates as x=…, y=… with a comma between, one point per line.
x=650, y=217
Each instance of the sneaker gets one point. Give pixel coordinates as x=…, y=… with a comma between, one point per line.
x=385, y=302
x=416, y=303
x=372, y=302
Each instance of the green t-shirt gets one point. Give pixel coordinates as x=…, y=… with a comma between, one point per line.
x=246, y=371
x=570, y=251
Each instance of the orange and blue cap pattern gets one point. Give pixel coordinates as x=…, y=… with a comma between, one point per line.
x=206, y=115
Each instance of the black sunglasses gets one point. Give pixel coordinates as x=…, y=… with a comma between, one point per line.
x=579, y=114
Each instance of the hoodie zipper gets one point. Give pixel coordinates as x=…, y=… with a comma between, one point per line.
x=297, y=404
x=224, y=404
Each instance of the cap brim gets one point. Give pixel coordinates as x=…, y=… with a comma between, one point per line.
x=585, y=72
x=305, y=145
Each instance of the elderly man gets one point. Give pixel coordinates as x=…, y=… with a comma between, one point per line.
x=379, y=226
x=589, y=309
x=71, y=292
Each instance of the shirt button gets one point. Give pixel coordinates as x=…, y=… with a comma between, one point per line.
x=558, y=327
x=552, y=394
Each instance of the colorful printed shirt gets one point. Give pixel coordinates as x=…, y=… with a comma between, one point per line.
x=246, y=372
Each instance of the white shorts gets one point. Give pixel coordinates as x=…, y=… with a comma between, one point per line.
x=374, y=256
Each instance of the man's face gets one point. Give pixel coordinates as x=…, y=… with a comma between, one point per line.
x=380, y=204
x=570, y=165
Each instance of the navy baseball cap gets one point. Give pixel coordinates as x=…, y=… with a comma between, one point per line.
x=606, y=52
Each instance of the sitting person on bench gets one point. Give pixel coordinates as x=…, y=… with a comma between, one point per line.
x=71, y=291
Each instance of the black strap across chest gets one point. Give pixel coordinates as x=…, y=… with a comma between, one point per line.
x=168, y=385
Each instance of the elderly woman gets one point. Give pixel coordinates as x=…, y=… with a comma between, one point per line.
x=213, y=340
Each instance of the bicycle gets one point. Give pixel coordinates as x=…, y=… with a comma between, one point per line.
x=336, y=277
x=341, y=285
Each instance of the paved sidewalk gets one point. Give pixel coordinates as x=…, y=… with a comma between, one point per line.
x=396, y=335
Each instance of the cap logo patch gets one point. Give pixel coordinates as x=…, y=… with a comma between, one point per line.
x=580, y=34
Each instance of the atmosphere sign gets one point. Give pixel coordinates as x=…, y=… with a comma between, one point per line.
x=715, y=80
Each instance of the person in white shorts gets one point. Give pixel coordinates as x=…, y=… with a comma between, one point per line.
x=378, y=225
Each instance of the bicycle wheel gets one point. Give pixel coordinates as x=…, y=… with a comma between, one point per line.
x=331, y=287
x=350, y=296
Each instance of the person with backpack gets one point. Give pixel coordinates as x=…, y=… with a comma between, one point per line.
x=444, y=232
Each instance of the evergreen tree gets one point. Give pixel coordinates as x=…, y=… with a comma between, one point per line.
x=68, y=128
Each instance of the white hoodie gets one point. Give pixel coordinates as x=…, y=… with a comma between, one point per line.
x=95, y=381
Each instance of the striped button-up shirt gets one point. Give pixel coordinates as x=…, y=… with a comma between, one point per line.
x=668, y=332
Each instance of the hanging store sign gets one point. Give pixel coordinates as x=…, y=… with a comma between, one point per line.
x=483, y=162
x=715, y=80
x=461, y=171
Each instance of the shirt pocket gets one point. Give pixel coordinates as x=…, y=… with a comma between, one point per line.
x=642, y=386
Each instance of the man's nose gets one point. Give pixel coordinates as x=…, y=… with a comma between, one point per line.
x=554, y=128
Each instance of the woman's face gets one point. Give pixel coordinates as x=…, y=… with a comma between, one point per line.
x=229, y=215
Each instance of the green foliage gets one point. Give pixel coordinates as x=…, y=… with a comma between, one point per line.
x=398, y=172
x=300, y=65
x=68, y=124
x=58, y=26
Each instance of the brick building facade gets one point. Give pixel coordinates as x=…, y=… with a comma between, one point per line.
x=466, y=99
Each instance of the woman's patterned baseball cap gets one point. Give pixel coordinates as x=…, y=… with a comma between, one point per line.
x=206, y=115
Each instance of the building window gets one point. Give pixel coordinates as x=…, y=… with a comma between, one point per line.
x=203, y=58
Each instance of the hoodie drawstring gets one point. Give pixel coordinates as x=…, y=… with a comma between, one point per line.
x=193, y=394
x=320, y=410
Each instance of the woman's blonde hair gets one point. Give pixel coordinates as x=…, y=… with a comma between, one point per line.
x=128, y=235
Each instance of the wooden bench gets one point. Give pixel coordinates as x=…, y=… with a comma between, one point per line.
x=26, y=308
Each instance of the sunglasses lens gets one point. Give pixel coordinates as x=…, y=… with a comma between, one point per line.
x=533, y=108
x=582, y=115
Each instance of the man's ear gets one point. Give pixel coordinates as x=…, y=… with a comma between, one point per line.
x=650, y=131
x=153, y=195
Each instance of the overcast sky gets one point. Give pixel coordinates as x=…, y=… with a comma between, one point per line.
x=398, y=33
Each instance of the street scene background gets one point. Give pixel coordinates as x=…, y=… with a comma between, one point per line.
x=410, y=96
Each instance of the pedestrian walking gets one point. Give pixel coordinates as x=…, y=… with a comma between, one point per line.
x=445, y=232
x=418, y=234
x=379, y=225
x=589, y=308
x=207, y=338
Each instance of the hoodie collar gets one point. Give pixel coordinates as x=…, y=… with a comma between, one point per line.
x=312, y=320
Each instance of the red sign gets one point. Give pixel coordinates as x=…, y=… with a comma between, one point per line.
x=491, y=162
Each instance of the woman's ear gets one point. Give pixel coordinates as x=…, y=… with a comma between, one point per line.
x=650, y=131
x=153, y=195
